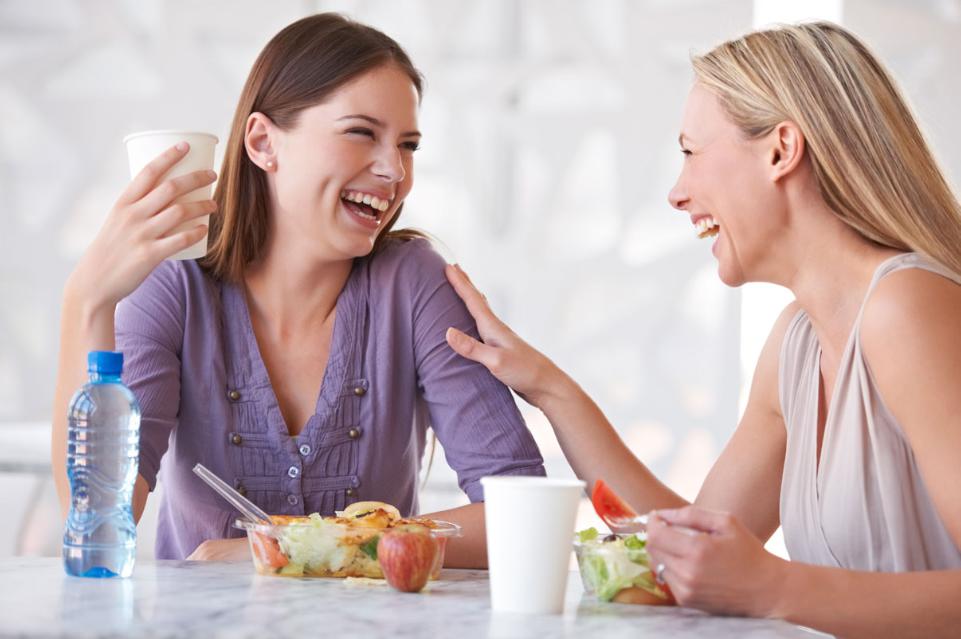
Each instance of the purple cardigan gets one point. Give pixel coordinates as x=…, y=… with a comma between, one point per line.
x=193, y=362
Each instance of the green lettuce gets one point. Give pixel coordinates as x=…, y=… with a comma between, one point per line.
x=313, y=544
x=609, y=565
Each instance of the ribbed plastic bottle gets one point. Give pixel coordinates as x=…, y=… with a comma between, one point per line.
x=103, y=448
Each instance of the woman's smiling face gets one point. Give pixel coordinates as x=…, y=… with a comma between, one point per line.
x=726, y=187
x=346, y=166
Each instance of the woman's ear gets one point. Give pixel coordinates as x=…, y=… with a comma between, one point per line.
x=259, y=141
x=787, y=149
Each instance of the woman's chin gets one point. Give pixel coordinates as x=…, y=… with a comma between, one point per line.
x=729, y=276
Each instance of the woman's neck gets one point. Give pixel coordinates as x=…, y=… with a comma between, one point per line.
x=830, y=271
x=289, y=293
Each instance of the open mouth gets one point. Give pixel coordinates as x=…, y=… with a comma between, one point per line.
x=707, y=227
x=365, y=206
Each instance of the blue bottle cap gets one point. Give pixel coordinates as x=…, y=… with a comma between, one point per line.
x=105, y=362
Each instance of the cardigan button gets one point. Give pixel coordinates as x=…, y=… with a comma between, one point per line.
x=353, y=433
x=350, y=492
x=236, y=439
x=360, y=391
x=234, y=395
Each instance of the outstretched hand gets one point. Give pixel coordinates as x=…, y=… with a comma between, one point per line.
x=509, y=358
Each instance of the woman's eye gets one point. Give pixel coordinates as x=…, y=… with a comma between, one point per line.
x=410, y=146
x=686, y=152
x=366, y=132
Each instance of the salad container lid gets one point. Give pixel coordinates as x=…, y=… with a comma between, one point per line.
x=440, y=528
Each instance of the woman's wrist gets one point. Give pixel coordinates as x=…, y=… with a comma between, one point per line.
x=85, y=299
x=87, y=310
x=555, y=389
x=781, y=591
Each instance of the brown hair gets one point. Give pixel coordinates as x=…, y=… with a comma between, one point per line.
x=298, y=68
x=873, y=166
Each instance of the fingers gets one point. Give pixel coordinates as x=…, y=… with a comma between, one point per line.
x=148, y=177
x=178, y=241
x=667, y=541
x=697, y=518
x=466, y=346
x=169, y=190
x=174, y=216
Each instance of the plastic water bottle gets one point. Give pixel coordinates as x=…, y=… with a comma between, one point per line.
x=103, y=449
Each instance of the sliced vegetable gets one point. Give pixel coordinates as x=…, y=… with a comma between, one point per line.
x=369, y=547
x=607, y=504
x=268, y=551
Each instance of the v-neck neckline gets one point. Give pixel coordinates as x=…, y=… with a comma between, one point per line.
x=342, y=341
x=843, y=362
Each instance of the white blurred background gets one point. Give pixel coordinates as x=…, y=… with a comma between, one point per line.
x=550, y=146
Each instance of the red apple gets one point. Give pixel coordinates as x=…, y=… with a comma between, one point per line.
x=406, y=555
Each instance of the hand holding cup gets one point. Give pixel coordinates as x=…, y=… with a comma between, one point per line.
x=148, y=223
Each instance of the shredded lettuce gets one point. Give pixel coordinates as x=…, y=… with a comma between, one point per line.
x=588, y=535
x=313, y=544
x=611, y=564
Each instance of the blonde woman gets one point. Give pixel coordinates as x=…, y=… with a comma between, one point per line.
x=805, y=165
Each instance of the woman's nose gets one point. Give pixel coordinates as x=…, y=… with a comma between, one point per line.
x=678, y=196
x=389, y=164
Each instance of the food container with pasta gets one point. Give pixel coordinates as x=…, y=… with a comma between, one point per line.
x=341, y=546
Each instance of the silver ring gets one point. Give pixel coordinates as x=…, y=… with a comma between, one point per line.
x=659, y=573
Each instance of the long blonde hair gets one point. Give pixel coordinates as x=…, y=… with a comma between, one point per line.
x=873, y=166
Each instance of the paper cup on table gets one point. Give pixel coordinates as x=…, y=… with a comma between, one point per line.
x=530, y=524
x=147, y=145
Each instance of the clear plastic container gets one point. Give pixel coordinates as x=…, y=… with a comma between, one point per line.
x=613, y=572
x=305, y=547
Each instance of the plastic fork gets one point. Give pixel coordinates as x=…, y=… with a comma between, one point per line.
x=637, y=521
x=249, y=509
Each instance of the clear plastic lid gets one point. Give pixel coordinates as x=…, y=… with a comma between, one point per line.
x=438, y=528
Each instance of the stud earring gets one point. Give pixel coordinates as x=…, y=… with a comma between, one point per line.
x=270, y=164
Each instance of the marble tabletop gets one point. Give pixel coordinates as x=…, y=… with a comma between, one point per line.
x=205, y=599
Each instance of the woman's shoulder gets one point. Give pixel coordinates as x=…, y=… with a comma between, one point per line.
x=908, y=325
x=172, y=288
x=174, y=280
x=919, y=294
x=407, y=261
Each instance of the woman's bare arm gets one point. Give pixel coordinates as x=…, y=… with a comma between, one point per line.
x=135, y=238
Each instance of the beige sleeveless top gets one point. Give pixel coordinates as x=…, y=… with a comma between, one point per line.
x=866, y=506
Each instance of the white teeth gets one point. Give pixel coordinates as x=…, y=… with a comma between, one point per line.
x=364, y=215
x=366, y=198
x=706, y=227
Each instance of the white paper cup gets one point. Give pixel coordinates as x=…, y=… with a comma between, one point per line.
x=145, y=146
x=530, y=524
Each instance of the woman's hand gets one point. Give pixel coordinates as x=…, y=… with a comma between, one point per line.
x=139, y=233
x=722, y=569
x=221, y=550
x=509, y=358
